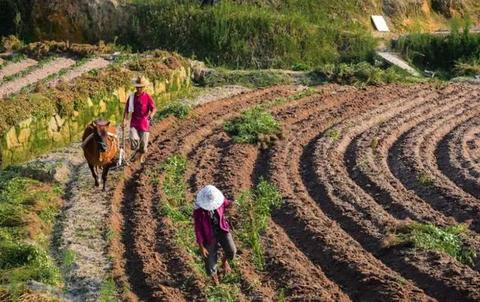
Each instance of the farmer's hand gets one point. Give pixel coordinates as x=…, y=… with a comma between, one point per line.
x=203, y=251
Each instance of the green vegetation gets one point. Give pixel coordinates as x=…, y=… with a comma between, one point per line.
x=108, y=291
x=442, y=239
x=256, y=33
x=362, y=74
x=177, y=109
x=27, y=211
x=255, y=207
x=455, y=54
x=333, y=134
x=247, y=78
x=252, y=125
x=425, y=180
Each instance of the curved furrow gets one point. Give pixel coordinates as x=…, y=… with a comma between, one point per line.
x=458, y=156
x=328, y=182
x=320, y=238
x=148, y=234
x=366, y=159
x=287, y=268
x=367, y=166
x=411, y=160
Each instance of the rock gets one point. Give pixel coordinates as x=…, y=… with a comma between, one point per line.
x=24, y=135
x=52, y=125
x=25, y=123
x=60, y=121
x=11, y=138
x=448, y=7
x=79, y=20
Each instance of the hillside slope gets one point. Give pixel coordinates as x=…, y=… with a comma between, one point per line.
x=238, y=33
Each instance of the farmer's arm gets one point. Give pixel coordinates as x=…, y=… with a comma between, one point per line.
x=152, y=108
x=198, y=232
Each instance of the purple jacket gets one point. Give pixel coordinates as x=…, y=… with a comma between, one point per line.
x=203, y=224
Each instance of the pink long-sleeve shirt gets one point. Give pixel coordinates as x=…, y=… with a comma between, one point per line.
x=203, y=223
x=143, y=104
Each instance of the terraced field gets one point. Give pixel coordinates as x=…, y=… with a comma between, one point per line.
x=348, y=167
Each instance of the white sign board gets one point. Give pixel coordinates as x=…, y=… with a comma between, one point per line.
x=380, y=23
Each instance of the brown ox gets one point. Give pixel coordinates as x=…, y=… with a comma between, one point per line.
x=100, y=147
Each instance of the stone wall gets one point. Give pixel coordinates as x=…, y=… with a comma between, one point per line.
x=35, y=136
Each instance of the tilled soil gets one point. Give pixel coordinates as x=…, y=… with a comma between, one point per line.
x=36, y=75
x=93, y=64
x=13, y=68
x=348, y=166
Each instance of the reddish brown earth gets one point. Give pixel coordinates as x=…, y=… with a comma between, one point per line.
x=347, y=166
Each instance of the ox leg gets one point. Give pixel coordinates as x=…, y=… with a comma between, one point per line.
x=94, y=174
x=104, y=176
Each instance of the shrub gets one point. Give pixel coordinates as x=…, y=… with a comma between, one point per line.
x=10, y=43
x=253, y=124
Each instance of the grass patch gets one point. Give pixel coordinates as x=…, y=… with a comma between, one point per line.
x=27, y=211
x=108, y=291
x=334, y=134
x=430, y=237
x=425, y=180
x=252, y=125
x=255, y=207
x=247, y=78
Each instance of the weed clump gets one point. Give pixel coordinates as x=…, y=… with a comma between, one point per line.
x=255, y=125
x=425, y=180
x=177, y=109
x=255, y=207
x=430, y=237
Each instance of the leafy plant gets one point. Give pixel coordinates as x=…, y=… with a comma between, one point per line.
x=251, y=125
x=442, y=239
x=425, y=180
x=255, y=208
x=333, y=134
x=178, y=109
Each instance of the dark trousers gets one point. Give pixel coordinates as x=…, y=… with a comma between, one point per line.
x=223, y=240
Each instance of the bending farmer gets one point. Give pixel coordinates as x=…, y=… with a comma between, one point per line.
x=142, y=108
x=212, y=229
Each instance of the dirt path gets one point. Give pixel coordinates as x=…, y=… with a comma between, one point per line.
x=36, y=75
x=13, y=68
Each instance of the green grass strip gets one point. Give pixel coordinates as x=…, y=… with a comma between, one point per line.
x=255, y=208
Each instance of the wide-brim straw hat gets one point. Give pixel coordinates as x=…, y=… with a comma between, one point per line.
x=209, y=198
x=139, y=82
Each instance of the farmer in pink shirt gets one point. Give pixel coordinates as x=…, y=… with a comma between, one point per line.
x=212, y=230
x=142, y=109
